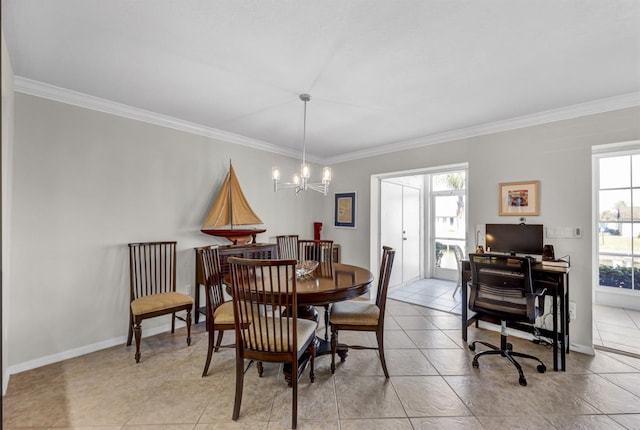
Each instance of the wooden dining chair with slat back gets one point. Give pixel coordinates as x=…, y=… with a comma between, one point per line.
x=219, y=312
x=321, y=251
x=152, y=275
x=287, y=247
x=363, y=316
x=261, y=290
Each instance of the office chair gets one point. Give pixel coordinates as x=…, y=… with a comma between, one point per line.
x=501, y=287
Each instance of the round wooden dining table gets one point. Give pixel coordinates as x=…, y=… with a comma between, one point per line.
x=328, y=283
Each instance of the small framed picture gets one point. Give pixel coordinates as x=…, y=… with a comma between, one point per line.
x=519, y=198
x=345, y=210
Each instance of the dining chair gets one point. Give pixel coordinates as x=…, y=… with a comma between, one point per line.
x=321, y=251
x=261, y=290
x=501, y=287
x=152, y=279
x=364, y=316
x=287, y=247
x=219, y=313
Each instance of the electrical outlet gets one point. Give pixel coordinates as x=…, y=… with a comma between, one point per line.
x=572, y=311
x=187, y=289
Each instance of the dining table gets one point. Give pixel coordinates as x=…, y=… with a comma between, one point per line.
x=328, y=283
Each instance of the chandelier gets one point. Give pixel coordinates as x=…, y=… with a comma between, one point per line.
x=301, y=179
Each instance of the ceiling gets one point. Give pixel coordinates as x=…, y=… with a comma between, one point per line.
x=383, y=75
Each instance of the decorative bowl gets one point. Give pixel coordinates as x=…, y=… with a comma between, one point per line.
x=305, y=267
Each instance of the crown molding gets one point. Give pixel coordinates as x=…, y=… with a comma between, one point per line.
x=41, y=89
x=584, y=109
x=63, y=95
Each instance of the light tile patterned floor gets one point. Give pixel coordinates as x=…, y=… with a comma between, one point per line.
x=614, y=328
x=432, y=293
x=432, y=385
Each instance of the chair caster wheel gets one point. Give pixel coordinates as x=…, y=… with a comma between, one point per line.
x=522, y=381
x=509, y=347
x=542, y=368
x=475, y=364
x=472, y=347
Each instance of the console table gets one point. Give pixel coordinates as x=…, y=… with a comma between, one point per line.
x=251, y=250
x=556, y=281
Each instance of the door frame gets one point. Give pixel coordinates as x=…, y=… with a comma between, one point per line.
x=375, y=250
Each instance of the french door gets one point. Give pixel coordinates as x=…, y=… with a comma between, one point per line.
x=400, y=228
x=447, y=222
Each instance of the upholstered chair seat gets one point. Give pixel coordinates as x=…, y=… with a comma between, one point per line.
x=278, y=340
x=356, y=313
x=160, y=303
x=224, y=313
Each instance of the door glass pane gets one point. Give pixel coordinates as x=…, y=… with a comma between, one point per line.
x=615, y=271
x=446, y=253
x=613, y=239
x=448, y=181
x=449, y=217
x=615, y=172
x=615, y=206
x=635, y=172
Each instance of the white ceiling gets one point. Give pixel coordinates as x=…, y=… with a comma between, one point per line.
x=382, y=74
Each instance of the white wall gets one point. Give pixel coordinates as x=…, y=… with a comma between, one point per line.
x=86, y=184
x=558, y=154
x=6, y=157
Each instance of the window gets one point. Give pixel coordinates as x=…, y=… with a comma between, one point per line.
x=618, y=220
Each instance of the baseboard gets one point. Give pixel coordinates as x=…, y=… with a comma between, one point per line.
x=77, y=352
x=582, y=349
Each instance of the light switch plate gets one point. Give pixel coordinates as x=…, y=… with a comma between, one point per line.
x=564, y=232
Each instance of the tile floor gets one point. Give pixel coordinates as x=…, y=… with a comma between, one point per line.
x=432, y=385
x=432, y=293
x=613, y=328
x=616, y=328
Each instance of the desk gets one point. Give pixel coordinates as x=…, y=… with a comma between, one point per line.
x=329, y=283
x=556, y=281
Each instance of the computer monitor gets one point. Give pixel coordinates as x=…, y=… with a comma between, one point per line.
x=515, y=239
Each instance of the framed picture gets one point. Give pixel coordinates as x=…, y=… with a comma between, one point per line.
x=519, y=198
x=345, y=210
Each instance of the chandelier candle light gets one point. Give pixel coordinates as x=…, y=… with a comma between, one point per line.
x=301, y=180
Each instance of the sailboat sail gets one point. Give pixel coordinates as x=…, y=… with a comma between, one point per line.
x=231, y=208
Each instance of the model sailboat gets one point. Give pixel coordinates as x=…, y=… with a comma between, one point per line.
x=231, y=209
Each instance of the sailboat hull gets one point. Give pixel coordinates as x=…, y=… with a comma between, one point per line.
x=236, y=235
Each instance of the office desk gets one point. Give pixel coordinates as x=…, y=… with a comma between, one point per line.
x=556, y=281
